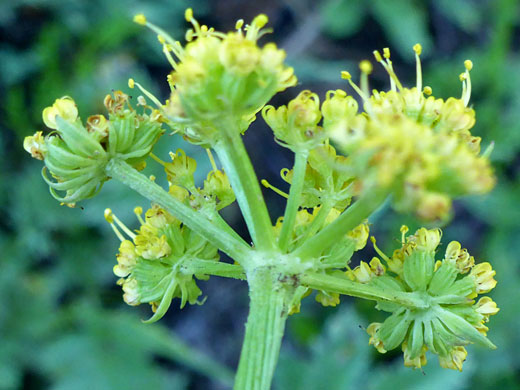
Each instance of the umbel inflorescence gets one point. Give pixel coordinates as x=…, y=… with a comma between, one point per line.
x=351, y=154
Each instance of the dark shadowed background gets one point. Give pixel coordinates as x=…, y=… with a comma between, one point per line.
x=63, y=324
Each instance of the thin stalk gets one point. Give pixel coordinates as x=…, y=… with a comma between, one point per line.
x=346, y=286
x=238, y=167
x=215, y=218
x=318, y=221
x=264, y=331
x=347, y=221
x=295, y=193
x=121, y=171
x=216, y=268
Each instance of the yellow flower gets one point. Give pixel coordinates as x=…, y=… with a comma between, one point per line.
x=483, y=275
x=126, y=259
x=131, y=294
x=364, y=272
x=374, y=340
x=486, y=307
x=35, y=145
x=454, y=359
x=417, y=361
x=460, y=257
x=416, y=146
x=64, y=107
x=149, y=245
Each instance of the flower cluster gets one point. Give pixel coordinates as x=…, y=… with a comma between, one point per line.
x=450, y=319
x=295, y=126
x=158, y=263
x=219, y=72
x=417, y=146
x=76, y=154
x=216, y=192
x=328, y=180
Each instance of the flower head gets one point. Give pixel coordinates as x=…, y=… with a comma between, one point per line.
x=450, y=318
x=418, y=146
x=76, y=155
x=155, y=264
x=218, y=72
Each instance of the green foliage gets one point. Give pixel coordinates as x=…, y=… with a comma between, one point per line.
x=62, y=327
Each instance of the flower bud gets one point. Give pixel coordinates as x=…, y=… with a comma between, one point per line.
x=296, y=125
x=76, y=156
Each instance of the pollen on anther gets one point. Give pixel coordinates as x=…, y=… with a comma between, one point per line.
x=417, y=48
x=377, y=56
x=386, y=52
x=239, y=24
x=109, y=216
x=427, y=90
x=365, y=66
x=188, y=14
x=346, y=75
x=131, y=83
x=468, y=64
x=140, y=19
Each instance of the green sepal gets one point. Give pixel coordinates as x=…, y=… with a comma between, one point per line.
x=165, y=303
x=460, y=327
x=418, y=269
x=443, y=278
x=394, y=329
x=415, y=339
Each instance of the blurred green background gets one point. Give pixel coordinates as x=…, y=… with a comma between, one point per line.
x=63, y=324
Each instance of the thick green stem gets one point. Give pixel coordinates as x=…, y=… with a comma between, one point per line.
x=345, y=286
x=237, y=165
x=347, y=221
x=120, y=170
x=216, y=268
x=295, y=193
x=264, y=331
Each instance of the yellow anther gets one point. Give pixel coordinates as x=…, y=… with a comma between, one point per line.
x=188, y=14
x=239, y=24
x=346, y=75
x=386, y=52
x=204, y=28
x=109, y=216
x=417, y=48
x=131, y=83
x=462, y=76
x=152, y=178
x=189, y=35
x=140, y=19
x=161, y=39
x=365, y=66
x=260, y=21
x=377, y=56
x=468, y=64
x=138, y=210
x=427, y=90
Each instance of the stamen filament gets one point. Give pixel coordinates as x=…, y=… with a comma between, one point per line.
x=418, y=49
x=138, y=211
x=211, y=160
x=266, y=184
x=157, y=159
x=379, y=251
